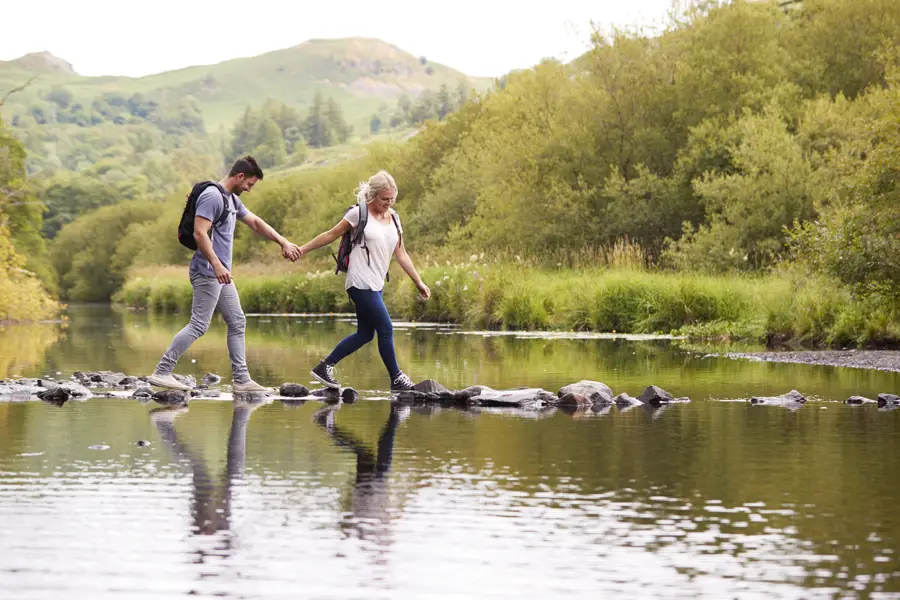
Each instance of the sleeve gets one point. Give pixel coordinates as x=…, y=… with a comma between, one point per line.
x=352, y=216
x=209, y=204
x=241, y=209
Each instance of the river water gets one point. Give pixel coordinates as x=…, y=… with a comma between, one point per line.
x=716, y=498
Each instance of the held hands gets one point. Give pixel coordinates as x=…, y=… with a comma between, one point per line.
x=423, y=290
x=290, y=251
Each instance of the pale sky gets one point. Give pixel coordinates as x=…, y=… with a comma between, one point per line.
x=479, y=38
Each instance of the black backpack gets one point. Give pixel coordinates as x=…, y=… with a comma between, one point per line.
x=186, y=225
x=355, y=236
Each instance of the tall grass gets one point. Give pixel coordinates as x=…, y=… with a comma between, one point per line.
x=624, y=299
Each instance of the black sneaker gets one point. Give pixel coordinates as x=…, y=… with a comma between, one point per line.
x=401, y=383
x=324, y=372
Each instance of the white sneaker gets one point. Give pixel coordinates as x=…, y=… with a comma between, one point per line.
x=250, y=386
x=167, y=381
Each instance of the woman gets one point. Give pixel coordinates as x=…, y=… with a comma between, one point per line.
x=369, y=261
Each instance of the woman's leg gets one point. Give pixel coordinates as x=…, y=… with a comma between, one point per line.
x=365, y=329
x=381, y=320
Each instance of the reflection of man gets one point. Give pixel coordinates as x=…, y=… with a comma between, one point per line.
x=369, y=499
x=211, y=501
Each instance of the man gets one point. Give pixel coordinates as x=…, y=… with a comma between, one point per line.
x=210, y=272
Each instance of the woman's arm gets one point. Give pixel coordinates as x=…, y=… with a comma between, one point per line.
x=406, y=264
x=326, y=237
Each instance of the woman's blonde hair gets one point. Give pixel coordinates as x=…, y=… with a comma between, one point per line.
x=380, y=181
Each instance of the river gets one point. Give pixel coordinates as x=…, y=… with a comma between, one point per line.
x=716, y=498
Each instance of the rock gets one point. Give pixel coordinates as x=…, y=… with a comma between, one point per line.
x=293, y=390
x=575, y=400
x=623, y=400
x=210, y=394
x=76, y=390
x=47, y=384
x=81, y=376
x=857, y=400
x=185, y=379
x=96, y=377
x=171, y=397
x=194, y=393
x=57, y=396
x=127, y=381
x=417, y=397
x=326, y=392
x=655, y=396
x=211, y=379
x=143, y=443
x=349, y=395
x=531, y=398
x=888, y=401
x=16, y=391
x=792, y=398
x=430, y=386
x=143, y=392
x=588, y=388
x=601, y=408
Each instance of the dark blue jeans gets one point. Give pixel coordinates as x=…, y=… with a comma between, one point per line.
x=371, y=317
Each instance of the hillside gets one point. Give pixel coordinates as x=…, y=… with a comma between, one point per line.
x=359, y=73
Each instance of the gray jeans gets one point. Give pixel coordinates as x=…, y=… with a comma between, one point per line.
x=209, y=296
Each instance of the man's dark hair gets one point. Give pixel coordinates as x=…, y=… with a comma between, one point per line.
x=247, y=166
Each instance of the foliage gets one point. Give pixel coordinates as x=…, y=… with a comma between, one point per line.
x=22, y=296
x=84, y=252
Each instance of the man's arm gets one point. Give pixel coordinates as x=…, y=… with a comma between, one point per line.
x=204, y=244
x=288, y=249
x=406, y=264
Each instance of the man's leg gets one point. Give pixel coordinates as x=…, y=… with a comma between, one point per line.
x=229, y=307
x=203, y=304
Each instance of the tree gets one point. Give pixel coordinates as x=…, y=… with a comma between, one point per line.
x=316, y=127
x=60, y=95
x=271, y=149
x=340, y=130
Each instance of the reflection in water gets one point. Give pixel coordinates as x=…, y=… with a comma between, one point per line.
x=211, y=500
x=366, y=509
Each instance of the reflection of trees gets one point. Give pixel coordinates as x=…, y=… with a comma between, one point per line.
x=366, y=505
x=211, y=499
x=24, y=346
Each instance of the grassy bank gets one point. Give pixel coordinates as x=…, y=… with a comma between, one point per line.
x=774, y=309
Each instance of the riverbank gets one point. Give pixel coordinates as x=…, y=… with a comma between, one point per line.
x=881, y=360
x=499, y=296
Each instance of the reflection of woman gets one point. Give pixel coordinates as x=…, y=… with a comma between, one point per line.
x=368, y=267
x=369, y=501
x=211, y=502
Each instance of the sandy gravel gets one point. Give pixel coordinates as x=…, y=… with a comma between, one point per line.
x=882, y=360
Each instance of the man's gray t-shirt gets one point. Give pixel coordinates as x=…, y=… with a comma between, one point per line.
x=210, y=206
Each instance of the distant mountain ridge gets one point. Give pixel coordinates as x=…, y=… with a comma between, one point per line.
x=41, y=62
x=360, y=73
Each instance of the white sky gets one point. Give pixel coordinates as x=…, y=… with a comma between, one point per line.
x=480, y=38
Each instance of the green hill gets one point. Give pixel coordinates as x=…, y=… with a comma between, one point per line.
x=361, y=74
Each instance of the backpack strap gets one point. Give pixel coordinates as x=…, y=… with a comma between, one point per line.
x=360, y=234
x=396, y=221
x=225, y=196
